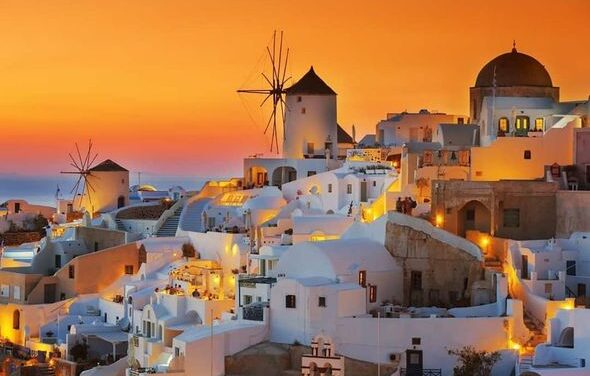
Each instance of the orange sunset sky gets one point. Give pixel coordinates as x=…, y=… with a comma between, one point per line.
x=153, y=82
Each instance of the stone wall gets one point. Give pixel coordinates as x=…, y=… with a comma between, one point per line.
x=447, y=273
x=18, y=238
x=572, y=212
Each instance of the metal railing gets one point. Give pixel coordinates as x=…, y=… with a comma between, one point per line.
x=421, y=372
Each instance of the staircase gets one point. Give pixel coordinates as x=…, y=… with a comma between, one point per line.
x=192, y=218
x=525, y=362
x=170, y=226
x=46, y=370
x=493, y=264
x=120, y=225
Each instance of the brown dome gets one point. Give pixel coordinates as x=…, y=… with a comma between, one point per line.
x=514, y=69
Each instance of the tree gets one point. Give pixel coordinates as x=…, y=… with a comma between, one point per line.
x=188, y=250
x=473, y=362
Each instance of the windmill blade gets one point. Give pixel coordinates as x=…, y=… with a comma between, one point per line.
x=255, y=91
x=88, y=155
x=283, y=117
x=280, y=58
x=74, y=162
x=266, y=78
x=265, y=99
x=285, y=69
x=93, y=159
x=75, y=187
x=88, y=183
x=79, y=156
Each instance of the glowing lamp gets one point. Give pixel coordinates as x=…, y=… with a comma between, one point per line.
x=438, y=220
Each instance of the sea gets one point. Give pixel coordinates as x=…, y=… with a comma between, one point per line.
x=41, y=190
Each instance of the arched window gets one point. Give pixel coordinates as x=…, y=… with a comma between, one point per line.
x=503, y=125
x=539, y=124
x=522, y=124
x=16, y=319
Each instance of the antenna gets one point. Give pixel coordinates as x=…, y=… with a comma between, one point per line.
x=275, y=88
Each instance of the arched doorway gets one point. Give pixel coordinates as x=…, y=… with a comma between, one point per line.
x=282, y=175
x=473, y=216
x=120, y=201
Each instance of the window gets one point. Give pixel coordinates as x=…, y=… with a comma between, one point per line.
x=311, y=173
x=349, y=189
x=522, y=123
x=363, y=278
x=416, y=341
x=71, y=271
x=416, y=280
x=329, y=188
x=303, y=110
x=512, y=218
x=548, y=288
x=460, y=120
x=16, y=319
x=503, y=125
x=527, y=154
x=372, y=293
x=176, y=351
x=539, y=124
x=57, y=261
x=4, y=291
x=129, y=269
x=414, y=358
x=570, y=267
x=310, y=148
x=290, y=301
x=322, y=301
x=247, y=299
x=299, y=99
x=374, y=183
x=16, y=293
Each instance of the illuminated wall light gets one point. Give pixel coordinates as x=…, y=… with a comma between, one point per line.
x=234, y=249
x=439, y=220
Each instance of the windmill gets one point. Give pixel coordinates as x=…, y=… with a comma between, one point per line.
x=82, y=169
x=275, y=89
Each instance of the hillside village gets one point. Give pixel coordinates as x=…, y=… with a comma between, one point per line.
x=340, y=256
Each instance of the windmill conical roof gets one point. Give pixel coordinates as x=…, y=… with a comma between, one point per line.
x=312, y=84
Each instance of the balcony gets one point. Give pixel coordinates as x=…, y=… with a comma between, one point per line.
x=421, y=372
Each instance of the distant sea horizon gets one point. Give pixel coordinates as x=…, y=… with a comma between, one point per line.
x=41, y=190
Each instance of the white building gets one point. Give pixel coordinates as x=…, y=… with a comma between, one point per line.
x=108, y=189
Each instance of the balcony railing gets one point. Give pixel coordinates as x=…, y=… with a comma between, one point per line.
x=421, y=372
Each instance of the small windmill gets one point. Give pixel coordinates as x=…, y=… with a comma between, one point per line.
x=275, y=89
x=82, y=167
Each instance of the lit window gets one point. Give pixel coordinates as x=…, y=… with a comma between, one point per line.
x=372, y=294
x=363, y=278
x=522, y=123
x=503, y=125
x=290, y=301
x=539, y=124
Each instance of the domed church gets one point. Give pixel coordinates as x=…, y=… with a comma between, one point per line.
x=512, y=74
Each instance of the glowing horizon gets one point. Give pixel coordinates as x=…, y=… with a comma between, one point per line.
x=154, y=84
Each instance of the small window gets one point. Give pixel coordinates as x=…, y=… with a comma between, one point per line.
x=290, y=301
x=570, y=267
x=16, y=319
x=522, y=123
x=5, y=291
x=71, y=271
x=247, y=299
x=512, y=218
x=299, y=99
x=176, y=351
x=363, y=278
x=329, y=188
x=311, y=173
x=527, y=154
x=349, y=189
x=322, y=301
x=416, y=280
x=303, y=110
x=310, y=148
x=503, y=125
x=374, y=183
x=129, y=269
x=539, y=124
x=16, y=293
x=416, y=341
x=460, y=120
x=372, y=293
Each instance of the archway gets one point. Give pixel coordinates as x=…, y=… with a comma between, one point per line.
x=473, y=216
x=282, y=175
